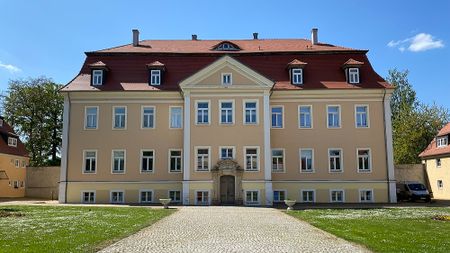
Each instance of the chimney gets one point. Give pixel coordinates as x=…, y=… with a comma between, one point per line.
x=314, y=36
x=135, y=37
x=255, y=36
x=194, y=36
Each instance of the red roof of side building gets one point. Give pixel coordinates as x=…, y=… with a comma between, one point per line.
x=432, y=149
x=5, y=132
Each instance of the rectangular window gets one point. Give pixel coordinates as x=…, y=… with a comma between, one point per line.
x=202, y=197
x=88, y=197
x=297, y=76
x=335, y=160
x=334, y=114
x=226, y=112
x=16, y=184
x=226, y=79
x=12, y=142
x=117, y=197
x=118, y=161
x=442, y=141
x=277, y=117
x=306, y=160
x=277, y=160
x=175, y=196
x=305, y=116
x=147, y=160
x=438, y=162
x=226, y=153
x=251, y=159
x=120, y=117
x=365, y=195
x=97, y=77
x=362, y=116
x=203, y=113
x=440, y=184
x=353, y=75
x=308, y=196
x=202, y=159
x=364, y=164
x=90, y=161
x=148, y=117
x=146, y=196
x=176, y=117
x=175, y=160
x=251, y=197
x=250, y=113
x=17, y=163
x=155, y=77
x=279, y=195
x=91, y=117
x=337, y=195
x=24, y=164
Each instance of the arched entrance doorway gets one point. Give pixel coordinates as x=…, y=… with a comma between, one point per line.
x=227, y=190
x=227, y=180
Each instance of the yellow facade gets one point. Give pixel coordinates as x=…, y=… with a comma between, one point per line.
x=15, y=169
x=439, y=176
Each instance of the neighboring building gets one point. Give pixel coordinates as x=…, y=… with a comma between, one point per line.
x=13, y=162
x=227, y=121
x=437, y=161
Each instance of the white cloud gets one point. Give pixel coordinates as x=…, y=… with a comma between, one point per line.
x=418, y=43
x=9, y=67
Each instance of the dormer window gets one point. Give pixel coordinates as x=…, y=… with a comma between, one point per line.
x=155, y=72
x=226, y=46
x=97, y=77
x=442, y=141
x=351, y=68
x=353, y=75
x=295, y=68
x=226, y=79
x=155, y=77
x=12, y=142
x=297, y=76
x=98, y=73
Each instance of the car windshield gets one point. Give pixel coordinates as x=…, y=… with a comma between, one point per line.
x=417, y=187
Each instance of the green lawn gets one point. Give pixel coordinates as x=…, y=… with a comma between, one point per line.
x=385, y=230
x=70, y=228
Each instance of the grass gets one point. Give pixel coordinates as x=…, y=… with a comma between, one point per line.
x=385, y=230
x=70, y=228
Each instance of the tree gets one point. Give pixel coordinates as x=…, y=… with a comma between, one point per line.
x=414, y=124
x=34, y=108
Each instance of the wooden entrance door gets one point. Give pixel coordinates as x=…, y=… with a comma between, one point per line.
x=227, y=190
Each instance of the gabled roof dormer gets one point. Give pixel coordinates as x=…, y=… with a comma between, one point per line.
x=352, y=73
x=98, y=72
x=156, y=70
x=226, y=46
x=295, y=68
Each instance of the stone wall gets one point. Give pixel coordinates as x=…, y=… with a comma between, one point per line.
x=42, y=182
x=411, y=172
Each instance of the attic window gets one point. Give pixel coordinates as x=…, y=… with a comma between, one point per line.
x=155, y=77
x=353, y=75
x=351, y=68
x=226, y=79
x=155, y=70
x=297, y=76
x=98, y=72
x=226, y=46
x=295, y=68
x=12, y=142
x=442, y=141
x=97, y=77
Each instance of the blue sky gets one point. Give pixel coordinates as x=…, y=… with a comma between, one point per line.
x=50, y=37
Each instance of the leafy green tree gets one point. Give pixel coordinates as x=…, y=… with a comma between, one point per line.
x=34, y=108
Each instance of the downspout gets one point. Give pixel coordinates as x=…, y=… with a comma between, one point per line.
x=385, y=142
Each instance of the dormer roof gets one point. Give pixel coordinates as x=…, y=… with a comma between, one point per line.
x=352, y=63
x=98, y=65
x=296, y=63
x=156, y=65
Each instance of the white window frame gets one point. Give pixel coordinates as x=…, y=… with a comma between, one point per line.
x=114, y=117
x=257, y=158
x=341, y=160
x=232, y=112
x=298, y=74
x=441, y=141
x=312, y=160
x=146, y=190
x=155, y=73
x=88, y=191
x=196, y=148
x=438, y=162
x=169, y=160
x=244, y=102
x=278, y=200
x=283, y=157
x=153, y=122
x=302, y=194
x=174, y=201
x=440, y=184
x=86, y=118
x=300, y=115
x=124, y=161
x=230, y=81
x=370, y=160
x=258, y=199
x=357, y=115
x=203, y=203
x=141, y=160
x=24, y=164
x=331, y=195
x=83, y=169
x=17, y=163
x=12, y=141
x=197, y=111
x=356, y=75
x=97, y=77
x=282, y=117
x=339, y=117
x=361, y=191
x=170, y=117
x=111, y=196
x=227, y=147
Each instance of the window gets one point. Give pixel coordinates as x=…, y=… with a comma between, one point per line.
x=226, y=112
x=277, y=117
x=308, y=196
x=438, y=162
x=175, y=196
x=250, y=113
x=118, y=161
x=334, y=116
x=337, y=195
x=16, y=184
x=226, y=79
x=226, y=47
x=176, y=117
x=90, y=161
x=306, y=160
x=24, y=163
x=279, y=195
x=335, y=160
x=251, y=197
x=226, y=153
x=277, y=160
x=442, y=141
x=251, y=159
x=91, y=117
x=155, y=77
x=117, y=197
x=203, y=159
x=88, y=197
x=12, y=142
x=119, y=120
x=202, y=112
x=440, y=184
x=146, y=196
x=362, y=116
x=147, y=160
x=148, y=117
x=305, y=116
x=202, y=197
x=364, y=163
x=353, y=75
x=97, y=77
x=175, y=160
x=365, y=195
x=17, y=163
x=297, y=76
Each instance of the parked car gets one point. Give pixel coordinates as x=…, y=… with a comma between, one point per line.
x=412, y=191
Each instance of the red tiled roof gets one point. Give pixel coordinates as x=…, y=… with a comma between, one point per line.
x=352, y=62
x=296, y=62
x=445, y=130
x=5, y=132
x=98, y=64
x=432, y=149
